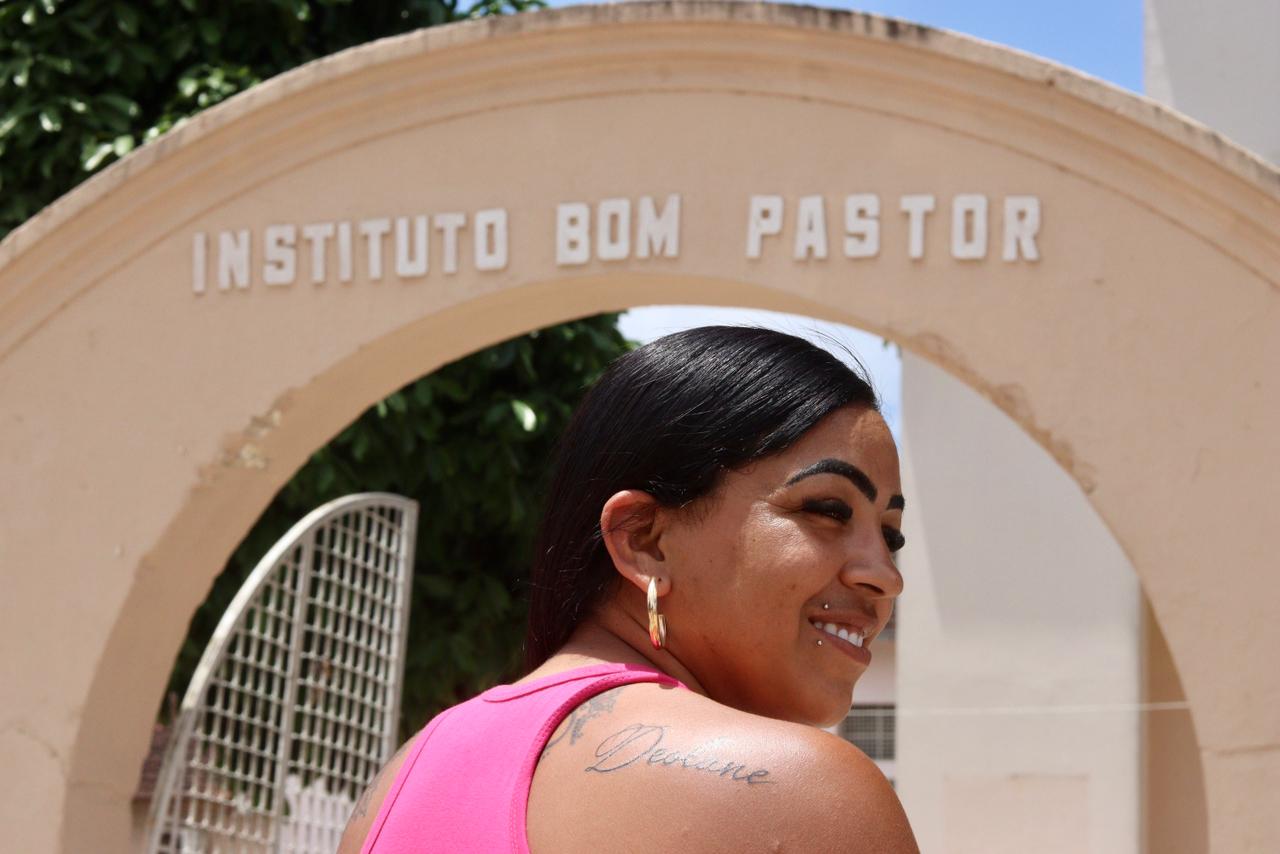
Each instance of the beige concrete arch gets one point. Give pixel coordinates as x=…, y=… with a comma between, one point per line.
x=144, y=424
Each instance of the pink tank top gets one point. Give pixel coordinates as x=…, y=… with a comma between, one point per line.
x=465, y=784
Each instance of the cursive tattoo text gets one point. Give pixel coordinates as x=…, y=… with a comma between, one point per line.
x=641, y=744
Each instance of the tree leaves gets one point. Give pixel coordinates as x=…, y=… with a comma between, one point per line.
x=525, y=415
x=137, y=67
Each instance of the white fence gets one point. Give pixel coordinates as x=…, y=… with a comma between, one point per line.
x=294, y=705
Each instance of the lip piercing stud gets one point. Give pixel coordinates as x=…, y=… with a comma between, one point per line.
x=826, y=606
x=819, y=641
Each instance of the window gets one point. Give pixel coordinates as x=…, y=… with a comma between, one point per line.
x=872, y=728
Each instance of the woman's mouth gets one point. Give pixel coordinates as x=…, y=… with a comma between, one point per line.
x=845, y=633
x=848, y=639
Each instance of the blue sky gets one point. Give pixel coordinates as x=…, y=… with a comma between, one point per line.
x=1100, y=37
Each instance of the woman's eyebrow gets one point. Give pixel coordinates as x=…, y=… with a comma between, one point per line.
x=833, y=466
x=848, y=470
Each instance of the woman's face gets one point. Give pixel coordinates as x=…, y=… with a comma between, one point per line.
x=783, y=548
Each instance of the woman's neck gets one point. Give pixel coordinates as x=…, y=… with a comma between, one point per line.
x=611, y=637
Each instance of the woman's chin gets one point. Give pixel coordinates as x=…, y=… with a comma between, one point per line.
x=824, y=715
x=836, y=709
x=833, y=719
x=821, y=702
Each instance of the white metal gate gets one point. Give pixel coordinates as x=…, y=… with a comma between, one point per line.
x=294, y=705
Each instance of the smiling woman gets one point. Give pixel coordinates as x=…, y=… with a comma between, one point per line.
x=713, y=569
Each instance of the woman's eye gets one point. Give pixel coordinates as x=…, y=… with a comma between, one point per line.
x=833, y=508
x=893, y=538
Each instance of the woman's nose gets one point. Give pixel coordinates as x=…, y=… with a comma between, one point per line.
x=874, y=575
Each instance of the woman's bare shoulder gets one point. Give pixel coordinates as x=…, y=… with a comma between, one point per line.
x=671, y=770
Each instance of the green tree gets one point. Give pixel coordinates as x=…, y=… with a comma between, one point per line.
x=83, y=82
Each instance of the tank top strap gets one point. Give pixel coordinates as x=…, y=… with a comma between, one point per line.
x=402, y=777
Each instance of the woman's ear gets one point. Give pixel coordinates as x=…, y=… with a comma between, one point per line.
x=632, y=524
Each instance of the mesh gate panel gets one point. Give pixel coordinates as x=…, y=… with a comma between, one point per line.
x=295, y=703
x=873, y=728
x=349, y=653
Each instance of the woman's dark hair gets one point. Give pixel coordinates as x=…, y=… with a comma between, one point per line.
x=669, y=418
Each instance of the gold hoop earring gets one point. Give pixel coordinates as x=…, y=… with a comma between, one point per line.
x=657, y=622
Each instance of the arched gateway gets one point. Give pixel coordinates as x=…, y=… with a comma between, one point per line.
x=179, y=334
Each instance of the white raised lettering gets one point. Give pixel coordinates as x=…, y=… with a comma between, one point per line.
x=658, y=234
x=410, y=265
x=613, y=229
x=374, y=230
x=1021, y=225
x=199, y=260
x=233, y=259
x=811, y=228
x=916, y=207
x=862, y=225
x=317, y=234
x=491, y=239
x=763, y=219
x=969, y=227
x=573, y=239
x=344, y=252
x=449, y=224
x=279, y=257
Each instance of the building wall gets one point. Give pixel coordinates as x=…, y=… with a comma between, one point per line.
x=875, y=695
x=879, y=684
x=1018, y=640
x=1218, y=63
x=1174, y=820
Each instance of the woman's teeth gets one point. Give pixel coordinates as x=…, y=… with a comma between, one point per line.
x=841, y=632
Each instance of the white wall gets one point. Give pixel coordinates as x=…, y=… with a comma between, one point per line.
x=879, y=683
x=1018, y=641
x=1219, y=63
